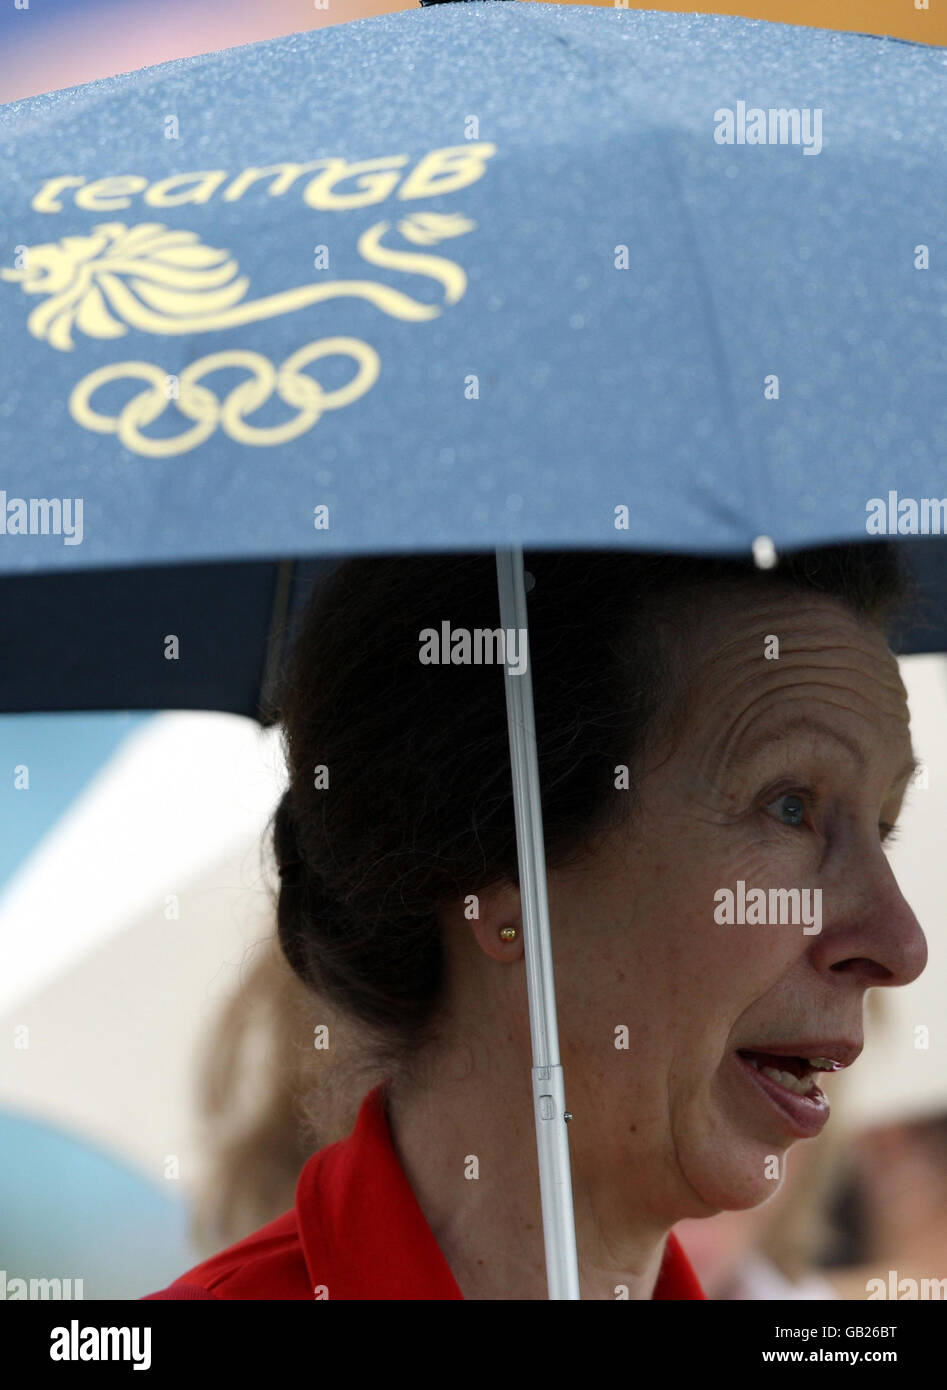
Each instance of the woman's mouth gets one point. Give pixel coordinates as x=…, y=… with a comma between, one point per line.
x=788, y=1083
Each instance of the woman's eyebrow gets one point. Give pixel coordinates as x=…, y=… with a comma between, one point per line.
x=808, y=723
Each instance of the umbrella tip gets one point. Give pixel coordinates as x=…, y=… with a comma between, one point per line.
x=764, y=553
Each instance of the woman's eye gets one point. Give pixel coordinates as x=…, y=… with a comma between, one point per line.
x=789, y=809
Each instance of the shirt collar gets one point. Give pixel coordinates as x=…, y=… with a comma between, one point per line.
x=364, y=1235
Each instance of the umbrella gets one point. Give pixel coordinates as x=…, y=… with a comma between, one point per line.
x=673, y=290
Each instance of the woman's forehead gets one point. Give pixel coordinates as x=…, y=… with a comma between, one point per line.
x=814, y=727
x=748, y=633
x=804, y=665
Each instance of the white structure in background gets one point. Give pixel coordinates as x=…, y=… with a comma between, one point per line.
x=128, y=924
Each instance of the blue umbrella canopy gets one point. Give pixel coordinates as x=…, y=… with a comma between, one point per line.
x=473, y=275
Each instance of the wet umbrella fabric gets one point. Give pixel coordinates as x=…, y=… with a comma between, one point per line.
x=476, y=276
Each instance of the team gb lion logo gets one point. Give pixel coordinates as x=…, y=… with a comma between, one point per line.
x=168, y=282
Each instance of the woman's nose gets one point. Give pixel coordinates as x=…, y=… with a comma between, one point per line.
x=870, y=933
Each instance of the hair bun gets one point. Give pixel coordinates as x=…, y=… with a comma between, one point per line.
x=299, y=876
x=285, y=841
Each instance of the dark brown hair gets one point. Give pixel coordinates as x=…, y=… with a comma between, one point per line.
x=418, y=809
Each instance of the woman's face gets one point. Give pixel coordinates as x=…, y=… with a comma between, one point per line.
x=786, y=773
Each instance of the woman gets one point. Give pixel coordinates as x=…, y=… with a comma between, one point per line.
x=705, y=730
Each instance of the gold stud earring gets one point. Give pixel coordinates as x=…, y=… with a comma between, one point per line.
x=508, y=933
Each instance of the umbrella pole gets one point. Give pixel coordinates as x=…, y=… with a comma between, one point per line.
x=549, y=1105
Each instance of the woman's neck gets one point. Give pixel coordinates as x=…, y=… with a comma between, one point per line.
x=474, y=1171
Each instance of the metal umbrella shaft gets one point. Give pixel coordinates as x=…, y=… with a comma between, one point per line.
x=552, y=1138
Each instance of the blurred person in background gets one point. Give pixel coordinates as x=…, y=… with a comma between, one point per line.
x=896, y=1199
x=268, y=1096
x=888, y=1206
x=251, y=1085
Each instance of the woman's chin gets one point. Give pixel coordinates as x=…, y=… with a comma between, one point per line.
x=736, y=1174
x=737, y=1146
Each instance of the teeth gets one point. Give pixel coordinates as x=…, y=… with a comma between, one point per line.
x=822, y=1063
x=801, y=1085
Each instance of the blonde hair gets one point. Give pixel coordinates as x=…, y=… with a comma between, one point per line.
x=267, y=1098
x=248, y=1079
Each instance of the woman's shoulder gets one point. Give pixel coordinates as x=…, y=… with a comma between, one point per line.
x=269, y=1264
x=302, y=1252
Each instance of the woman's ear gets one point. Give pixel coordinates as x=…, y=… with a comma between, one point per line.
x=494, y=917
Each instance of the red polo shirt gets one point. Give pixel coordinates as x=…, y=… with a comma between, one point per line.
x=357, y=1232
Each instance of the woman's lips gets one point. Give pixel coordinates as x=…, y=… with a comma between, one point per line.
x=806, y=1114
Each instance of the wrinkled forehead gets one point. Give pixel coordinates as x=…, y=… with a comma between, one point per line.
x=747, y=660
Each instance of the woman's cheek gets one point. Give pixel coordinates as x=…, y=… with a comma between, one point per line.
x=745, y=957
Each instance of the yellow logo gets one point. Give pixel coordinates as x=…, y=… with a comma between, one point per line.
x=294, y=386
x=161, y=281
x=155, y=279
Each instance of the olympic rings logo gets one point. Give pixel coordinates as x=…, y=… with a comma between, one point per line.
x=200, y=404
